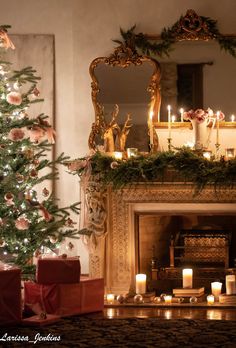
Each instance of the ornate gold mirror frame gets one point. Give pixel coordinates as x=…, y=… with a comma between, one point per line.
x=123, y=56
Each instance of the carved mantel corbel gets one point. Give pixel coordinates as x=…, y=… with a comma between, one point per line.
x=95, y=210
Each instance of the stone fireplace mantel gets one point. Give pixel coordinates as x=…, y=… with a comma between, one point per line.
x=111, y=217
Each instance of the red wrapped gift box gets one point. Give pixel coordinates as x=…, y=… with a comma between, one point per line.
x=66, y=299
x=10, y=294
x=56, y=270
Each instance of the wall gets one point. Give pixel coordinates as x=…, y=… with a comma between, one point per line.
x=83, y=30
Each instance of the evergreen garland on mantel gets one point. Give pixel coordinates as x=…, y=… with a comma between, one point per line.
x=184, y=165
x=164, y=44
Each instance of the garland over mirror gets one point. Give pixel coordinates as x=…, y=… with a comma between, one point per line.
x=197, y=63
x=190, y=27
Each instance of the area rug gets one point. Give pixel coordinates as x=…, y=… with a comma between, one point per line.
x=86, y=332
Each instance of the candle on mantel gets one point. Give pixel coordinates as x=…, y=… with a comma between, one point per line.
x=229, y=153
x=118, y=155
x=230, y=284
x=207, y=154
x=181, y=110
x=168, y=299
x=141, y=283
x=216, y=289
x=110, y=298
x=169, y=121
x=210, y=299
x=151, y=127
x=232, y=118
x=217, y=126
x=173, y=118
x=187, y=278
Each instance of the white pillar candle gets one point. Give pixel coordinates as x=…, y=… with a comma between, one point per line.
x=181, y=110
x=216, y=289
x=230, y=284
x=187, y=278
x=229, y=153
x=232, y=118
x=168, y=299
x=210, y=299
x=217, y=126
x=141, y=283
x=110, y=298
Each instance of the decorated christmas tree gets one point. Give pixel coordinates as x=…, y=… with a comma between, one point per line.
x=30, y=219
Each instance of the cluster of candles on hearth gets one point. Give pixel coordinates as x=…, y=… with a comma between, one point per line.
x=187, y=279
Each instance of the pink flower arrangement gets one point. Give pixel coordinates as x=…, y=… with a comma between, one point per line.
x=16, y=134
x=14, y=98
x=22, y=223
x=201, y=115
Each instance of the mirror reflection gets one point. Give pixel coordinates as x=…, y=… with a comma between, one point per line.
x=127, y=88
x=198, y=75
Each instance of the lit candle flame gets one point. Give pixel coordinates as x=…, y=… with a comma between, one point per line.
x=232, y=118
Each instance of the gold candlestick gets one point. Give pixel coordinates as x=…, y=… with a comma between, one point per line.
x=169, y=120
x=217, y=135
x=169, y=143
x=169, y=127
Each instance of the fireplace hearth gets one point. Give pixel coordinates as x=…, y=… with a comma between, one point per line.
x=123, y=243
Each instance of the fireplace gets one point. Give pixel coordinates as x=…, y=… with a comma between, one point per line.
x=167, y=243
x=124, y=243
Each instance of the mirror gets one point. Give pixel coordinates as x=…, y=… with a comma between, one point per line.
x=125, y=91
x=197, y=74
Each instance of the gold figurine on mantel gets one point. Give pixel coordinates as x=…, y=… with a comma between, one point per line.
x=114, y=137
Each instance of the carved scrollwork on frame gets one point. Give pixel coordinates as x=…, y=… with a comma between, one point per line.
x=96, y=223
x=123, y=57
x=193, y=27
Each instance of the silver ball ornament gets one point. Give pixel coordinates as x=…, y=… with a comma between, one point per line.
x=157, y=300
x=138, y=299
x=121, y=298
x=193, y=299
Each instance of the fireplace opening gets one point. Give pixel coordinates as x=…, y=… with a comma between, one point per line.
x=167, y=243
